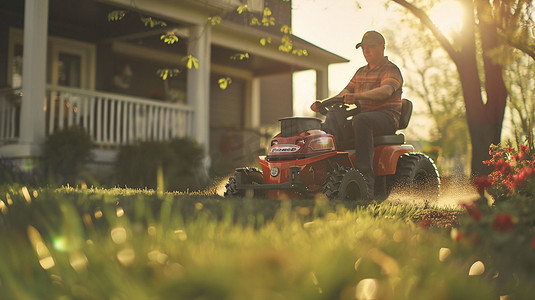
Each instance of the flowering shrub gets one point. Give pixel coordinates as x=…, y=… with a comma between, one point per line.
x=503, y=229
x=512, y=169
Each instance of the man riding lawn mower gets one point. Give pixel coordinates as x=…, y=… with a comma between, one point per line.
x=307, y=157
x=304, y=160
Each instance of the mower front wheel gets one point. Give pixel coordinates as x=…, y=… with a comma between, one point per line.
x=247, y=176
x=345, y=184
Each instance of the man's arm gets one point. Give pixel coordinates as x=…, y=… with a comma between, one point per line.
x=381, y=93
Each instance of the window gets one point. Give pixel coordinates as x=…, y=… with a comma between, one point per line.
x=70, y=63
x=14, y=56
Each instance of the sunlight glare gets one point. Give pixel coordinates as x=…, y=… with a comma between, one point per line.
x=477, y=269
x=98, y=214
x=157, y=256
x=126, y=256
x=26, y=194
x=8, y=199
x=118, y=235
x=444, y=254
x=367, y=289
x=3, y=207
x=78, y=262
x=45, y=259
x=119, y=212
x=447, y=15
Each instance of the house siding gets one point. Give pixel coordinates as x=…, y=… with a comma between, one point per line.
x=276, y=95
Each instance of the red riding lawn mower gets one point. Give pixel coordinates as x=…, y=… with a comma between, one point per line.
x=304, y=160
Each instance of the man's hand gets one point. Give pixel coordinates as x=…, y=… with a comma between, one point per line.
x=314, y=106
x=349, y=99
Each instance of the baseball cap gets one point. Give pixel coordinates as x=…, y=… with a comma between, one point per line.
x=371, y=38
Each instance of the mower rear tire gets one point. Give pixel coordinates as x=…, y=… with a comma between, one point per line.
x=417, y=173
x=345, y=184
x=248, y=176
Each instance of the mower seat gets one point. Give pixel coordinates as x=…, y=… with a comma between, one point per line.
x=348, y=142
x=398, y=138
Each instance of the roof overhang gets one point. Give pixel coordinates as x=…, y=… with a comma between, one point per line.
x=229, y=37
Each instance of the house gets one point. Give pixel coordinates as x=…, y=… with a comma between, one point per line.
x=64, y=63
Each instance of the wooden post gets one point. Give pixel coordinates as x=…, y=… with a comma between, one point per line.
x=32, y=121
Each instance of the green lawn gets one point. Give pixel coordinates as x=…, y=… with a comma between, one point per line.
x=132, y=244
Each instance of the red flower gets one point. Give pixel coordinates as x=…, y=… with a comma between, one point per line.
x=523, y=149
x=503, y=222
x=473, y=211
x=425, y=223
x=502, y=166
x=482, y=183
x=522, y=176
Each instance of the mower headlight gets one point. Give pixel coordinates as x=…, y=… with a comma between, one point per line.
x=322, y=144
x=274, y=142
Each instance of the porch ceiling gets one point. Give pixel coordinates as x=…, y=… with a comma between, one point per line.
x=86, y=20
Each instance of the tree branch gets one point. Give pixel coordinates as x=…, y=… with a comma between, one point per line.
x=426, y=21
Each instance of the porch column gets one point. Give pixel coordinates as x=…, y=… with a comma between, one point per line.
x=198, y=92
x=252, y=105
x=322, y=83
x=32, y=115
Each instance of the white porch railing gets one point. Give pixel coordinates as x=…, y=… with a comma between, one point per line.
x=110, y=119
x=114, y=119
x=9, y=114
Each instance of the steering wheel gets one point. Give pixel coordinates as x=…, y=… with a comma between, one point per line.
x=335, y=103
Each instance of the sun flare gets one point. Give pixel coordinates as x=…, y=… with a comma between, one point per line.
x=447, y=15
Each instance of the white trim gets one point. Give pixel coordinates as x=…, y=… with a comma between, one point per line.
x=85, y=50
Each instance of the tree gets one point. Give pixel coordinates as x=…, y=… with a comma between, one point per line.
x=484, y=92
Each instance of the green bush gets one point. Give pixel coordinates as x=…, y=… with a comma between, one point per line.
x=65, y=154
x=178, y=161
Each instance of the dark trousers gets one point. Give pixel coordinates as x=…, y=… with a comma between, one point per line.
x=366, y=126
x=362, y=130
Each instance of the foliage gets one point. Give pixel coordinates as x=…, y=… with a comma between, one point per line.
x=483, y=86
x=504, y=233
x=224, y=82
x=128, y=244
x=65, y=154
x=169, y=38
x=177, y=160
x=191, y=61
x=116, y=15
x=240, y=56
x=167, y=73
x=432, y=78
x=521, y=87
x=151, y=22
x=265, y=20
x=265, y=41
x=514, y=21
x=215, y=20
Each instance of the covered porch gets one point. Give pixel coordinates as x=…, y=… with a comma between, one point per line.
x=67, y=65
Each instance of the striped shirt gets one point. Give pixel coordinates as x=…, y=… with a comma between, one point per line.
x=385, y=73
